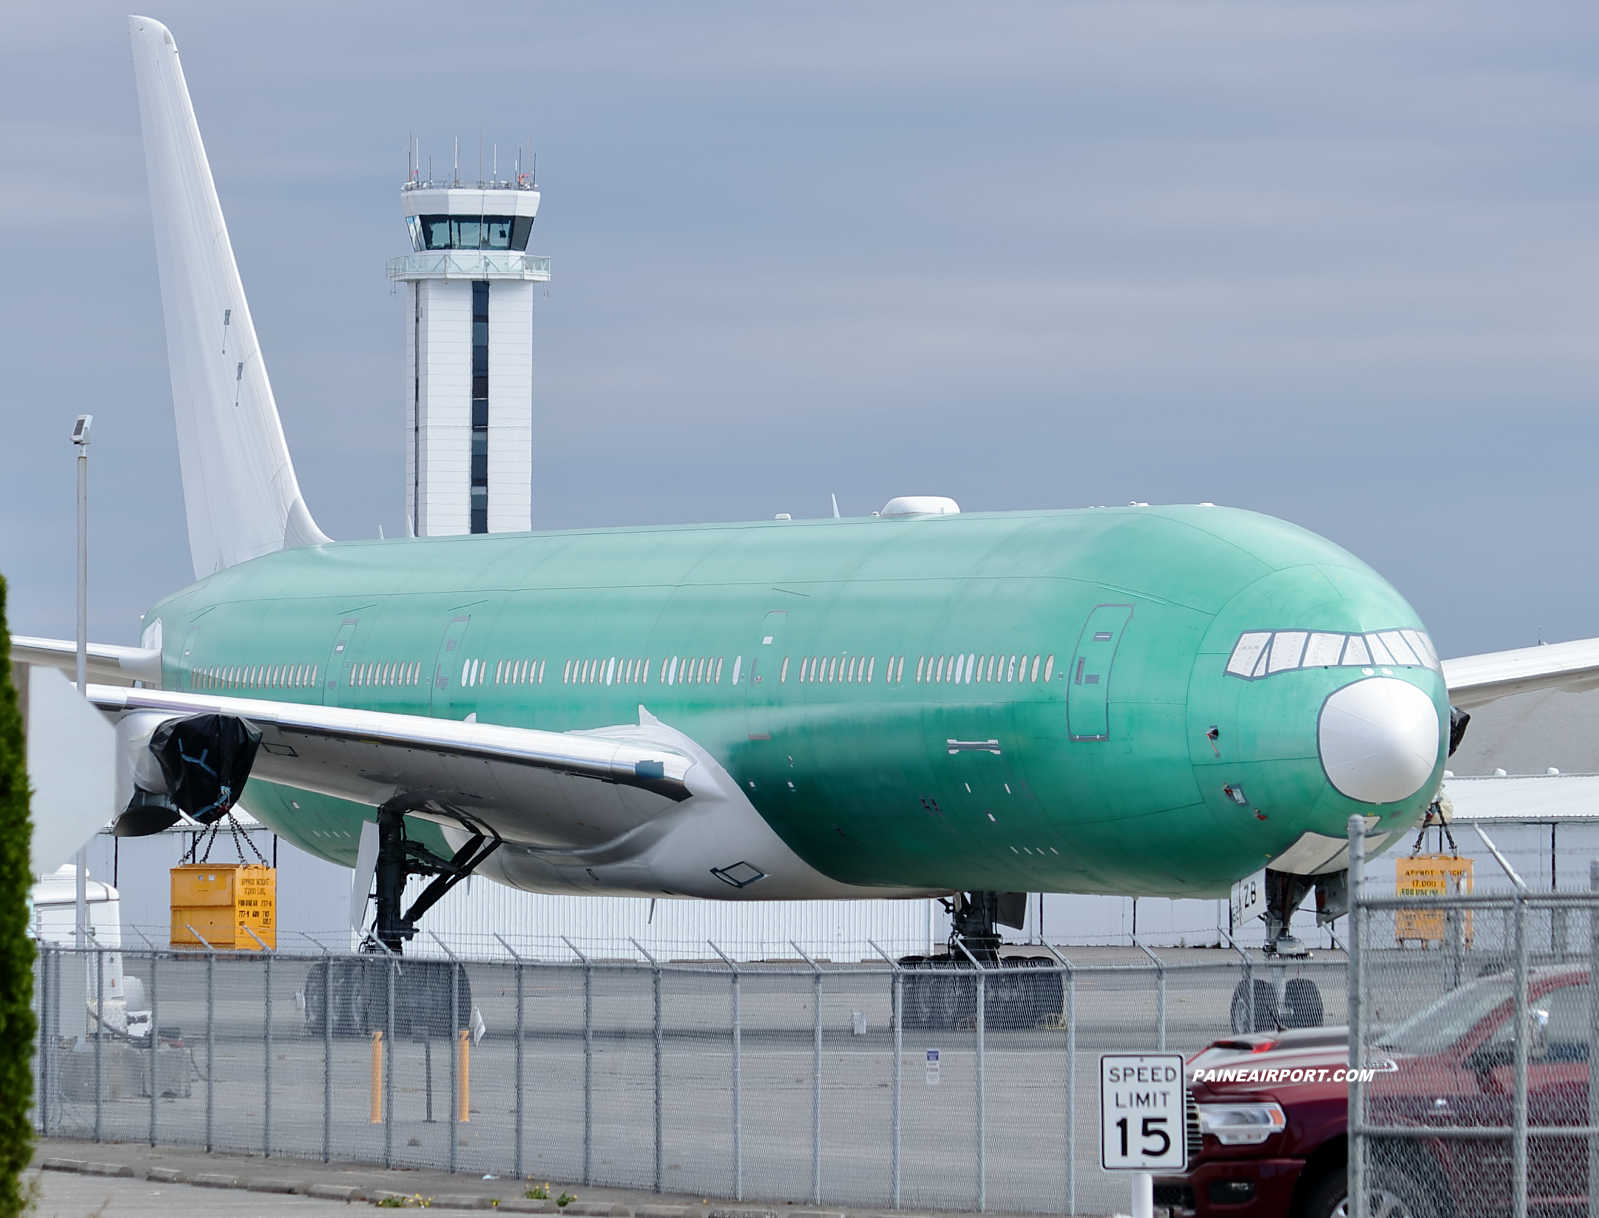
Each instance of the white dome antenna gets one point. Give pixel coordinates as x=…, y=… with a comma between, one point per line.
x=920, y=505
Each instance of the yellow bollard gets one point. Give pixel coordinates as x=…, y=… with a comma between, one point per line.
x=377, y=1076
x=463, y=1058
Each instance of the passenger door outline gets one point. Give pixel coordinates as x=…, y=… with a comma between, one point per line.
x=440, y=705
x=338, y=658
x=186, y=657
x=1088, y=678
x=765, y=675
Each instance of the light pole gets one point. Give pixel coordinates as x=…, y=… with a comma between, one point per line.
x=80, y=437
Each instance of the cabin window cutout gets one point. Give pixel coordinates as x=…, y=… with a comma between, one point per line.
x=781, y=677
x=1088, y=694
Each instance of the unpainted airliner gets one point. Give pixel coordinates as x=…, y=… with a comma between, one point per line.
x=1146, y=700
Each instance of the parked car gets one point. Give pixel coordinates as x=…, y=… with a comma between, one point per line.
x=1271, y=1110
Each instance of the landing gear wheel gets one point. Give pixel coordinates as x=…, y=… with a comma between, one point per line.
x=1265, y=1015
x=1302, y=1004
x=1393, y=1194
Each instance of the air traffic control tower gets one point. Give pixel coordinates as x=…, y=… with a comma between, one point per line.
x=469, y=354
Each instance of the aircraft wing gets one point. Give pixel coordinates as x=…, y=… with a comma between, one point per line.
x=107, y=662
x=533, y=786
x=1477, y=680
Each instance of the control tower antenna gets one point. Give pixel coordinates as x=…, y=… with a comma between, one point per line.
x=469, y=289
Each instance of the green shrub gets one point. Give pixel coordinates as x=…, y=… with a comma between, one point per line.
x=18, y=1031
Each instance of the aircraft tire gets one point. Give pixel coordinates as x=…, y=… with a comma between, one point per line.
x=1265, y=1015
x=1302, y=1003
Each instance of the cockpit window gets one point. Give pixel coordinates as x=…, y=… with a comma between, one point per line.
x=1261, y=653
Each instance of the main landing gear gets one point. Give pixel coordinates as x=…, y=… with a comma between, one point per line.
x=354, y=995
x=940, y=991
x=1278, y=1001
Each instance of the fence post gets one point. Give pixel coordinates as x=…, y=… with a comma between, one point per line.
x=1519, y=1012
x=55, y=1034
x=155, y=1045
x=327, y=1049
x=981, y=987
x=99, y=1040
x=1358, y=1197
x=42, y=1057
x=52, y=1045
x=588, y=1061
x=457, y=1050
x=816, y=1077
x=738, y=1081
x=1160, y=997
x=266, y=1019
x=391, y=965
x=897, y=984
x=210, y=1043
x=655, y=973
x=327, y=1055
x=521, y=1024
x=1593, y=1037
x=1071, y=1079
x=1518, y=1207
x=210, y=1033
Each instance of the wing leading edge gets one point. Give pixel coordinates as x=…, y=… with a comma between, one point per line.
x=1477, y=680
x=491, y=772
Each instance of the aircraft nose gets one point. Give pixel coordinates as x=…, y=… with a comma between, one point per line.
x=1379, y=739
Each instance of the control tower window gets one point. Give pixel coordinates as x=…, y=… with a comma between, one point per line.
x=470, y=232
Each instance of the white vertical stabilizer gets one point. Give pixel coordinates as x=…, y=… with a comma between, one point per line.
x=239, y=488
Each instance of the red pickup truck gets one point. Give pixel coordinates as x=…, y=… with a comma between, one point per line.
x=1271, y=1110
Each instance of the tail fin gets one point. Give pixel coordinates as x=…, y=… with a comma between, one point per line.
x=239, y=488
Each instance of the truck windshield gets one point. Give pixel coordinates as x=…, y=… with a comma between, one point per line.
x=1436, y=1027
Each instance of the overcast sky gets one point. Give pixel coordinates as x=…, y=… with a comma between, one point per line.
x=1337, y=263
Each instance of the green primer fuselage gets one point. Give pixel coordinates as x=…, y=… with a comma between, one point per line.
x=1111, y=786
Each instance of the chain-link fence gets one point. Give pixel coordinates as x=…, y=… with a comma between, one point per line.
x=1473, y=1016
x=906, y=1083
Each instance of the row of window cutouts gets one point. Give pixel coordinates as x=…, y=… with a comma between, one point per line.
x=678, y=670
x=256, y=676
x=707, y=670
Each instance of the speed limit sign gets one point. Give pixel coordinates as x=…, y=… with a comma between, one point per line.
x=1141, y=1112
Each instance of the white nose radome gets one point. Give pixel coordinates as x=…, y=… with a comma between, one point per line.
x=1379, y=739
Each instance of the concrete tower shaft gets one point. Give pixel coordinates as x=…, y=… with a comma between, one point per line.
x=469, y=355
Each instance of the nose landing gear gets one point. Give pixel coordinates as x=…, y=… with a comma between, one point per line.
x=1279, y=1002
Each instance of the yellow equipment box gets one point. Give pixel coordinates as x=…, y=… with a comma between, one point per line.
x=1430, y=875
x=219, y=900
